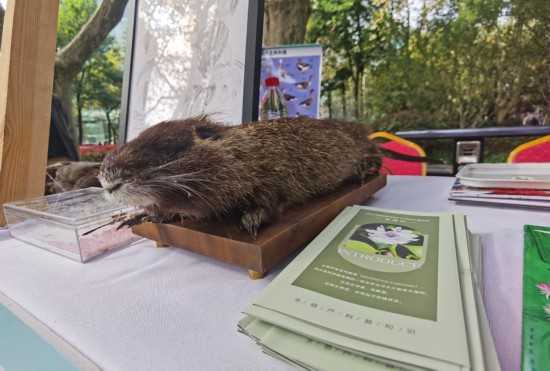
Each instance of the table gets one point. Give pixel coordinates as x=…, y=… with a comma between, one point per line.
x=475, y=134
x=144, y=308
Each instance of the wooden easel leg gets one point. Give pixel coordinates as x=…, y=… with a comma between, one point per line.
x=161, y=244
x=255, y=275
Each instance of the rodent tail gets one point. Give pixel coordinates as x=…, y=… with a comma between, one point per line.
x=403, y=157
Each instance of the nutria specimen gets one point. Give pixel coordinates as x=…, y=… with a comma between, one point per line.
x=197, y=168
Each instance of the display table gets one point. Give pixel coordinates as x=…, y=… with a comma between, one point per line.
x=149, y=308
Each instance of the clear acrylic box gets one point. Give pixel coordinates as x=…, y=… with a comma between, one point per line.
x=79, y=224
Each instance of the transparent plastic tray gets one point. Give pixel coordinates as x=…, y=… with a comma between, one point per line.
x=79, y=224
x=519, y=176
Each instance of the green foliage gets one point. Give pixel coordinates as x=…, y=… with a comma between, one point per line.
x=73, y=14
x=99, y=84
x=347, y=30
x=434, y=64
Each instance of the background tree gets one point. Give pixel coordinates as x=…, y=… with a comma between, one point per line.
x=73, y=14
x=285, y=21
x=99, y=85
x=72, y=57
x=346, y=28
x=435, y=63
x=402, y=63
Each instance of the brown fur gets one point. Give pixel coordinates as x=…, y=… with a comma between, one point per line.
x=197, y=168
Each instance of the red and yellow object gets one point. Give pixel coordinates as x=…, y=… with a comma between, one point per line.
x=398, y=144
x=537, y=150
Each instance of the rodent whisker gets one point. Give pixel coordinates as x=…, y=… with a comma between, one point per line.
x=160, y=167
x=183, y=177
x=161, y=186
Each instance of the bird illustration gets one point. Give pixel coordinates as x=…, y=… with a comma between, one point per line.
x=307, y=102
x=282, y=72
x=302, y=67
x=288, y=97
x=304, y=84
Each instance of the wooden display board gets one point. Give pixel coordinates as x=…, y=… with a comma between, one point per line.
x=274, y=242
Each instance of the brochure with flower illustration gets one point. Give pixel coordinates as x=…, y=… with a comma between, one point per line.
x=308, y=353
x=379, y=284
x=536, y=298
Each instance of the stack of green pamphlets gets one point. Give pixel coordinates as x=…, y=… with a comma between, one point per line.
x=536, y=298
x=379, y=289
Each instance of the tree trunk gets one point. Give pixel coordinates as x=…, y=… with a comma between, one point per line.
x=507, y=100
x=80, y=124
x=329, y=103
x=356, y=95
x=344, y=105
x=79, y=104
x=110, y=129
x=72, y=58
x=285, y=21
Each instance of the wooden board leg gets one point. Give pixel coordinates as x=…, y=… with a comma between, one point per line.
x=161, y=244
x=255, y=275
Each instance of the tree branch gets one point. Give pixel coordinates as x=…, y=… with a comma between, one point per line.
x=70, y=60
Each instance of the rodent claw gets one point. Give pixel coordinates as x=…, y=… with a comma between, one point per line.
x=143, y=218
x=252, y=220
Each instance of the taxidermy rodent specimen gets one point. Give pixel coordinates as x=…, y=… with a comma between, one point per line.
x=197, y=168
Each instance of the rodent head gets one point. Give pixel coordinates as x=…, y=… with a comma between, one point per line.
x=159, y=166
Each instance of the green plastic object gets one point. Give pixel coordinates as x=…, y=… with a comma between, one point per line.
x=536, y=299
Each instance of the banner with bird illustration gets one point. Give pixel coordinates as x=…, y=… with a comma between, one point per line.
x=298, y=68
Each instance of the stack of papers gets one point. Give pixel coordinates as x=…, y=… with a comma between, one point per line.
x=379, y=289
x=517, y=185
x=531, y=198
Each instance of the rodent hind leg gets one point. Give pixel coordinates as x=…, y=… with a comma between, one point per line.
x=251, y=220
x=369, y=165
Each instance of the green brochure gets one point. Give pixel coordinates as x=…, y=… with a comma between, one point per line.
x=536, y=298
x=312, y=347
x=382, y=284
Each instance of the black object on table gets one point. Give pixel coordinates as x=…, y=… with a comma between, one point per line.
x=476, y=134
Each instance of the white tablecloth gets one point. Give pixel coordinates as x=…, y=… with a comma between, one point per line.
x=144, y=308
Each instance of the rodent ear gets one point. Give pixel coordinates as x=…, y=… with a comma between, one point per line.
x=207, y=133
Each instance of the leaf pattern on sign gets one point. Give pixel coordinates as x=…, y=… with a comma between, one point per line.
x=188, y=59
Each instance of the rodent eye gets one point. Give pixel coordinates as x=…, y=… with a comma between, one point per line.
x=207, y=133
x=114, y=187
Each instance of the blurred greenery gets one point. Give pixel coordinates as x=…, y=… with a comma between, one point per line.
x=400, y=65
x=98, y=85
x=495, y=149
x=394, y=65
